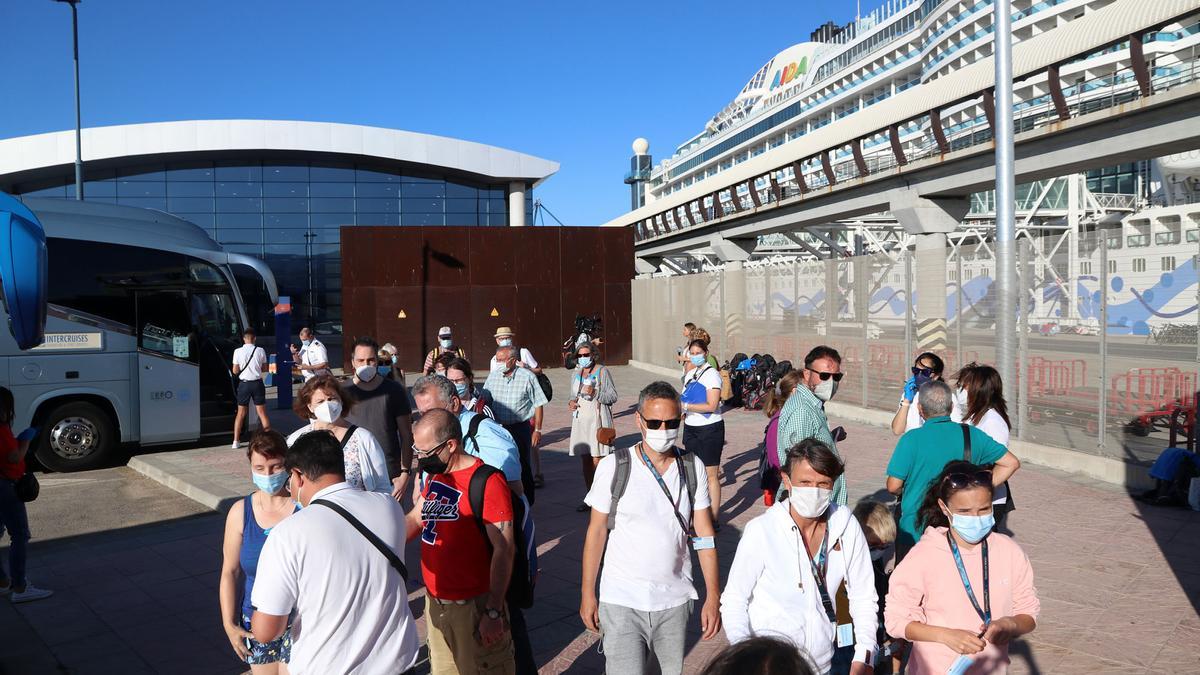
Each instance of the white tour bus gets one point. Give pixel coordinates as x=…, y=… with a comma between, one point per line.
x=143, y=314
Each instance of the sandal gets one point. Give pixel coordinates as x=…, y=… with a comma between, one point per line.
x=539, y=481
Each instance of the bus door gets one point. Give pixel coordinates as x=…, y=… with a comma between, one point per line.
x=168, y=376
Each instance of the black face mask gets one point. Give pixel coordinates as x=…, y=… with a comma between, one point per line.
x=432, y=464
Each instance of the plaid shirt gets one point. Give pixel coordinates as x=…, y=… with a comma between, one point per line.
x=803, y=416
x=514, y=396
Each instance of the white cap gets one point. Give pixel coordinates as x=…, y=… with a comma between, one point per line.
x=444, y=330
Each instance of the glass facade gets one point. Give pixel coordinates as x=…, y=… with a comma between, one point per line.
x=288, y=212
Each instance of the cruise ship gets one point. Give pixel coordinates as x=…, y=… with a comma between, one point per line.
x=1146, y=214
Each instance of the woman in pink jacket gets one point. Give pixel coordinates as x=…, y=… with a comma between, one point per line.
x=963, y=592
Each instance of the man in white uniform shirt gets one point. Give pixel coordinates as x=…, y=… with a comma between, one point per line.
x=314, y=358
x=350, y=600
x=646, y=592
x=249, y=364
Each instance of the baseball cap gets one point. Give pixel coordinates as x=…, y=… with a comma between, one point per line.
x=444, y=331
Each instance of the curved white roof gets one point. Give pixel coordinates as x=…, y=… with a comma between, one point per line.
x=175, y=141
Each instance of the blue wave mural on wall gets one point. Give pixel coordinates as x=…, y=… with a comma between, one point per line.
x=1127, y=317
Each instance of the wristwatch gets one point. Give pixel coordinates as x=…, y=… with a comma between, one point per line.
x=405, y=470
x=492, y=614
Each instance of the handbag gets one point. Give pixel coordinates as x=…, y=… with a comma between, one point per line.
x=27, y=487
x=606, y=435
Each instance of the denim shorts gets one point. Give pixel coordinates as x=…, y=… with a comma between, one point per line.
x=275, y=651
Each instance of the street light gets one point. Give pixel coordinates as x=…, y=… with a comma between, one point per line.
x=78, y=142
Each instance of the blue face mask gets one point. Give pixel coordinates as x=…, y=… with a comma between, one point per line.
x=585, y=362
x=461, y=388
x=698, y=359
x=972, y=528
x=446, y=344
x=306, y=342
x=270, y=484
x=383, y=371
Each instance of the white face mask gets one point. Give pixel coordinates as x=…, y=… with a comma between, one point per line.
x=661, y=440
x=960, y=399
x=809, y=502
x=328, y=411
x=826, y=389
x=505, y=342
x=366, y=373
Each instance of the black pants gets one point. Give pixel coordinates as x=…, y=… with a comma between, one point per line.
x=522, y=433
x=522, y=649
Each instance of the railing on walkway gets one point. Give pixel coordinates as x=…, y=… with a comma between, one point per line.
x=918, y=138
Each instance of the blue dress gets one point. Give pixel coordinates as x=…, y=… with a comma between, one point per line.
x=253, y=538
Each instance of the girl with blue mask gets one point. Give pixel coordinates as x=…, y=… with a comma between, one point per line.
x=971, y=587
x=247, y=527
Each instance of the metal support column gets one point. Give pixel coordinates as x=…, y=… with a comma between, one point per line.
x=795, y=309
x=1023, y=339
x=1005, y=193
x=958, y=306
x=908, y=306
x=1102, y=420
x=862, y=302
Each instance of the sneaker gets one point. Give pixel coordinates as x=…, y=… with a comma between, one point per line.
x=31, y=593
x=237, y=444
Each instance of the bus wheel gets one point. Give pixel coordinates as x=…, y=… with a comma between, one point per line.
x=75, y=437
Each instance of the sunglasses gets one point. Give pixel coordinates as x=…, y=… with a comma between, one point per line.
x=583, y=355
x=922, y=372
x=837, y=377
x=959, y=481
x=672, y=423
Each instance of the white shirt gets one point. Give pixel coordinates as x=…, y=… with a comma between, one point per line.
x=648, y=562
x=913, y=421
x=252, y=360
x=311, y=355
x=993, y=425
x=351, y=606
x=710, y=378
x=366, y=463
x=771, y=588
x=527, y=360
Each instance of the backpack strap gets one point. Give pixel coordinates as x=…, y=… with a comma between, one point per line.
x=620, y=481
x=473, y=429
x=966, y=431
x=349, y=433
x=370, y=536
x=689, y=475
x=475, y=492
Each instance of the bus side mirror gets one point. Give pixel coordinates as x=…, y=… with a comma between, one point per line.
x=23, y=271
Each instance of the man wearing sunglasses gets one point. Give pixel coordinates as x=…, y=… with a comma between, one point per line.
x=922, y=453
x=803, y=416
x=646, y=592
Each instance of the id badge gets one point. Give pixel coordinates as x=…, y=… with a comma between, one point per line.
x=960, y=665
x=845, y=635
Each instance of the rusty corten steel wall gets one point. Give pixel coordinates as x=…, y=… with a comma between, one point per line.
x=537, y=278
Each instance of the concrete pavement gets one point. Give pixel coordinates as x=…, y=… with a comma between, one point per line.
x=1119, y=581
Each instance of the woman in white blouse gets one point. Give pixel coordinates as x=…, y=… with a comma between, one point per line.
x=979, y=402
x=325, y=405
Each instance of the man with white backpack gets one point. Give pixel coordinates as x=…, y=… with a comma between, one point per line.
x=650, y=510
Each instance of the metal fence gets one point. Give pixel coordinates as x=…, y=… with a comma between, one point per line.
x=1126, y=392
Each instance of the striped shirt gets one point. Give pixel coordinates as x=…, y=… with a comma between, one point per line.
x=515, y=396
x=803, y=416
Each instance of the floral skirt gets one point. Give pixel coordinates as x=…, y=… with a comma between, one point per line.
x=275, y=651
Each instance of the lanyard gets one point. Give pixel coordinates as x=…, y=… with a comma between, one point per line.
x=819, y=567
x=986, y=612
x=686, y=525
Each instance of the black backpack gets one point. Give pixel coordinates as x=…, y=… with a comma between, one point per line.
x=525, y=567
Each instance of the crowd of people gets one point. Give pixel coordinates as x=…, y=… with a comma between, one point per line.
x=314, y=575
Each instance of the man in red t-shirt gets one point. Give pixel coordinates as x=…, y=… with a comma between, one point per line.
x=466, y=571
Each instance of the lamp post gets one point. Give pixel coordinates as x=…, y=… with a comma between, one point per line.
x=78, y=141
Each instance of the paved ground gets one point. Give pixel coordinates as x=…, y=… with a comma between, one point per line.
x=137, y=574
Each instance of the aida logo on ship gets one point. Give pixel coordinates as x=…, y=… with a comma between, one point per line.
x=789, y=73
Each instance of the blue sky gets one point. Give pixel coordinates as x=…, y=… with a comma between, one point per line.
x=570, y=81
